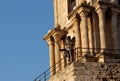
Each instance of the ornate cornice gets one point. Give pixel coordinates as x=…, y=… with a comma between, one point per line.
x=85, y=6
x=105, y=4
x=98, y=6
x=83, y=11
x=56, y=32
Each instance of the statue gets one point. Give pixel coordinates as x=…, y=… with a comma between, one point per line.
x=69, y=49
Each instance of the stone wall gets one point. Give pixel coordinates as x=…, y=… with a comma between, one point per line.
x=89, y=71
x=62, y=12
x=96, y=72
x=67, y=74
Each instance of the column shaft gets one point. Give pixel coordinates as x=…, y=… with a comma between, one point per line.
x=52, y=57
x=57, y=55
x=84, y=33
x=101, y=15
x=77, y=37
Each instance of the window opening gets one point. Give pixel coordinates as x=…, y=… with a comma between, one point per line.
x=71, y=5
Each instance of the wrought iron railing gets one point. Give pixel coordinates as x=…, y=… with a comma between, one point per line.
x=46, y=74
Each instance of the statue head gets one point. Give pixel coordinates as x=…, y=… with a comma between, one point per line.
x=68, y=38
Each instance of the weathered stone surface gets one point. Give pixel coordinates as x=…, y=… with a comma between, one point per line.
x=89, y=71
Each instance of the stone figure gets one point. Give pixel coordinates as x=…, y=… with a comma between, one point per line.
x=69, y=49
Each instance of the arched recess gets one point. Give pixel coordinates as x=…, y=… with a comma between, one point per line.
x=108, y=29
x=94, y=33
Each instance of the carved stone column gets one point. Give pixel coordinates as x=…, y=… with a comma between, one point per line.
x=84, y=30
x=77, y=36
x=57, y=33
x=101, y=15
x=57, y=53
x=114, y=29
x=50, y=42
x=53, y=38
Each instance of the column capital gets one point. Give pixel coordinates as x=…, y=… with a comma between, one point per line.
x=115, y=11
x=100, y=11
x=100, y=8
x=83, y=11
x=58, y=34
x=54, y=34
x=50, y=41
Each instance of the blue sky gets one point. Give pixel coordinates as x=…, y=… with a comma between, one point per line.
x=23, y=52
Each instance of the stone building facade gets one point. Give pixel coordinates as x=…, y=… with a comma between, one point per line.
x=95, y=25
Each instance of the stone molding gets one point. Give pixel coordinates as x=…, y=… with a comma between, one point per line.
x=55, y=33
x=50, y=41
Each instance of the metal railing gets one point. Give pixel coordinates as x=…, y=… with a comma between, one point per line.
x=46, y=74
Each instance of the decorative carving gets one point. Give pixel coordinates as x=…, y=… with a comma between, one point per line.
x=69, y=46
x=69, y=49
